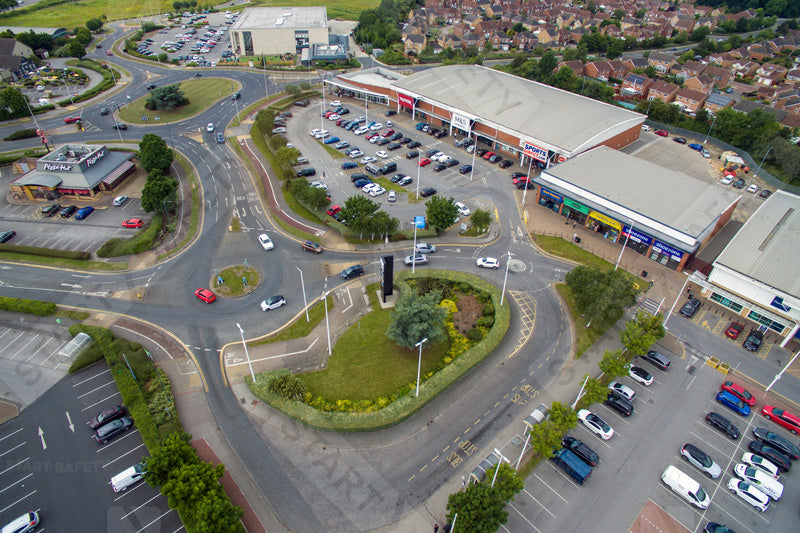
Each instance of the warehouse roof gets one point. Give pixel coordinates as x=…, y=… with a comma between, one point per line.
x=766, y=248
x=538, y=112
x=667, y=197
x=273, y=18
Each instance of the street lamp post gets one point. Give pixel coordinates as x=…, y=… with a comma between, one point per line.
x=762, y=162
x=327, y=324
x=246, y=353
x=414, y=251
x=266, y=86
x=418, y=167
x=303, y=285
x=669, y=314
x=505, y=278
x=475, y=149
x=499, y=462
x=709, y=129
x=627, y=236
x=419, y=364
x=527, y=179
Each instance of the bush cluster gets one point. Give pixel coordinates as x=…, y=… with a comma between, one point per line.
x=23, y=305
x=20, y=134
x=45, y=252
x=141, y=242
x=107, y=83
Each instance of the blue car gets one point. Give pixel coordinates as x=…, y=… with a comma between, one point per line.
x=83, y=212
x=347, y=165
x=421, y=125
x=733, y=403
x=331, y=140
x=695, y=146
x=361, y=183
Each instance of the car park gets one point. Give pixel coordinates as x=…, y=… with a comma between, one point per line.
x=623, y=390
x=265, y=242
x=488, y=262
x=749, y=494
x=690, y=308
x=782, y=418
x=427, y=191
x=771, y=454
x=739, y=391
x=205, y=295
x=753, y=340
x=685, y=487
x=733, y=403
x=641, y=375
x=311, y=246
x=595, y=424
x=353, y=271
x=734, y=330
x=762, y=464
x=416, y=259
x=760, y=480
x=106, y=415
x=84, y=212
x=132, y=223
x=700, y=460
x=273, y=302
x=52, y=209
x=778, y=442
x=424, y=248
x=584, y=452
x=658, y=360
x=68, y=211
x=108, y=431
x=723, y=424
x=618, y=403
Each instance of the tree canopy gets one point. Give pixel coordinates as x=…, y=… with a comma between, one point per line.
x=157, y=189
x=167, y=97
x=480, y=509
x=416, y=317
x=441, y=212
x=154, y=154
x=601, y=295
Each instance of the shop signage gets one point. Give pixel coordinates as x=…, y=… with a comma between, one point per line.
x=636, y=236
x=531, y=150
x=552, y=195
x=95, y=158
x=561, y=158
x=405, y=101
x=606, y=220
x=572, y=204
x=62, y=167
x=461, y=122
x=777, y=302
x=674, y=253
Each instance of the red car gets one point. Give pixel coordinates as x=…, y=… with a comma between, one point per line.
x=734, y=330
x=424, y=161
x=662, y=133
x=387, y=133
x=781, y=417
x=132, y=223
x=333, y=210
x=206, y=295
x=371, y=134
x=740, y=392
x=71, y=120
x=487, y=155
x=521, y=179
x=108, y=53
x=326, y=114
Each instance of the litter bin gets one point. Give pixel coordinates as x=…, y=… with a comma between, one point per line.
x=577, y=240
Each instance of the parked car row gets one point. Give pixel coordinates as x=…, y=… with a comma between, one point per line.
x=67, y=211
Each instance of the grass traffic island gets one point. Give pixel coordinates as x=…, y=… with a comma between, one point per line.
x=201, y=93
x=237, y=280
x=374, y=380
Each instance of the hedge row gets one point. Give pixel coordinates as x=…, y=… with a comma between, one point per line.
x=11, y=159
x=45, y=252
x=23, y=305
x=141, y=242
x=107, y=83
x=406, y=406
x=20, y=134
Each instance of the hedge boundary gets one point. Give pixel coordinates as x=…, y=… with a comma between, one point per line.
x=74, y=255
x=107, y=83
x=31, y=307
x=403, y=407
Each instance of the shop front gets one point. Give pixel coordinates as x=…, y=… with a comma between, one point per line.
x=550, y=200
x=603, y=225
x=574, y=211
x=665, y=254
x=637, y=240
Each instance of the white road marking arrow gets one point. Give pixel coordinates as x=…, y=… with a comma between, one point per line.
x=71, y=425
x=41, y=436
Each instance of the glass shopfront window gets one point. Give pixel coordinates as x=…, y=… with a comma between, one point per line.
x=766, y=321
x=637, y=240
x=727, y=302
x=574, y=211
x=665, y=254
x=550, y=200
x=604, y=225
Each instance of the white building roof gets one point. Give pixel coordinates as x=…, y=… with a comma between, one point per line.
x=538, y=112
x=767, y=248
x=271, y=18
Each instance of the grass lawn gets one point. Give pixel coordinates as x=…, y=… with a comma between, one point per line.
x=300, y=328
x=561, y=248
x=584, y=338
x=201, y=92
x=367, y=365
x=233, y=278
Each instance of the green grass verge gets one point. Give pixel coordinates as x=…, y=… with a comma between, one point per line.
x=72, y=314
x=562, y=248
x=584, y=337
x=63, y=263
x=195, y=212
x=201, y=93
x=56, y=14
x=299, y=328
x=141, y=241
x=233, y=282
x=407, y=405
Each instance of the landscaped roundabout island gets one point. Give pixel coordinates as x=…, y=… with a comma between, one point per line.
x=371, y=379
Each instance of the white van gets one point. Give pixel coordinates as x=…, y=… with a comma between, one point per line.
x=127, y=477
x=685, y=487
x=763, y=482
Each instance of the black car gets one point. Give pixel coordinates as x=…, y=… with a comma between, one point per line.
x=586, y=454
x=390, y=113
x=150, y=86
x=764, y=193
x=356, y=177
x=302, y=173
x=106, y=432
x=690, y=308
x=679, y=140
x=344, y=111
x=495, y=158
x=352, y=272
x=660, y=361
x=754, y=340
x=396, y=178
x=480, y=151
x=405, y=140
x=466, y=169
x=723, y=424
x=383, y=141
x=438, y=167
x=106, y=415
x=619, y=404
x=68, y=211
x=771, y=454
x=427, y=191
x=302, y=103
x=7, y=235
x=713, y=527
x=505, y=163
x=104, y=111
x=778, y=442
x=452, y=163
x=120, y=126
x=440, y=133
x=413, y=154
x=396, y=136
x=414, y=144
x=431, y=152
x=405, y=180
x=51, y=209
x=525, y=185
x=738, y=184
x=394, y=146
x=430, y=131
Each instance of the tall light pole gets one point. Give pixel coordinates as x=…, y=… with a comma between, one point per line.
x=709, y=129
x=246, y=353
x=527, y=180
x=419, y=364
x=762, y=162
x=499, y=462
x=266, y=86
x=414, y=251
x=505, y=278
x=327, y=324
x=303, y=285
x=419, y=166
x=688, y=277
x=628, y=236
x=472, y=170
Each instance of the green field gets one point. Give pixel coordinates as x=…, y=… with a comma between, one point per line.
x=201, y=92
x=59, y=14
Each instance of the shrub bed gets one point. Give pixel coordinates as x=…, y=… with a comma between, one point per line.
x=107, y=83
x=144, y=240
x=23, y=305
x=45, y=252
x=20, y=134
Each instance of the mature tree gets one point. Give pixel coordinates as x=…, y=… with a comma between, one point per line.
x=480, y=509
x=441, y=212
x=562, y=417
x=599, y=294
x=416, y=317
x=12, y=102
x=173, y=452
x=154, y=154
x=618, y=14
x=357, y=212
x=305, y=86
x=76, y=49
x=286, y=156
x=594, y=391
x=481, y=218
x=156, y=190
x=614, y=364
x=167, y=97
x=292, y=90
x=642, y=332
x=83, y=36
x=94, y=24
x=382, y=224
x=507, y=483
x=189, y=483
x=315, y=197
x=546, y=66
x=545, y=438
x=214, y=513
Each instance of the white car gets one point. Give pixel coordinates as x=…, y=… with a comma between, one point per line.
x=623, y=390
x=336, y=103
x=367, y=159
x=641, y=375
x=760, y=480
x=749, y=493
x=377, y=191
x=436, y=156
x=488, y=262
x=369, y=187
x=273, y=302
x=425, y=248
x=726, y=180
x=356, y=153
x=645, y=127
x=706, y=154
x=382, y=154
x=376, y=126
x=266, y=242
x=374, y=139
x=361, y=130
x=210, y=127
x=595, y=424
x=752, y=189
x=418, y=259
x=392, y=196
x=322, y=135
x=463, y=210
x=756, y=461
x=333, y=116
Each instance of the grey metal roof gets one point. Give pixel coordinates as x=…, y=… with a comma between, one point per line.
x=38, y=179
x=672, y=198
x=534, y=110
x=767, y=248
x=281, y=18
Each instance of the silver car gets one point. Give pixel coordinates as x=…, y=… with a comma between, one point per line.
x=418, y=259
x=700, y=460
x=623, y=390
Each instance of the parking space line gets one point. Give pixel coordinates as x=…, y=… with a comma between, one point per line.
x=16, y=502
x=562, y=474
x=678, y=498
x=540, y=504
x=12, y=467
x=23, y=443
x=10, y=434
x=15, y=483
x=12, y=341
x=551, y=488
x=595, y=436
x=106, y=371
x=111, y=382
x=116, y=441
x=698, y=437
x=737, y=520
x=617, y=415
x=126, y=515
x=102, y=400
x=523, y=516
x=122, y=456
x=156, y=520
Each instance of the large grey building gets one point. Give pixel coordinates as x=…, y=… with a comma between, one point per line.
x=279, y=30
